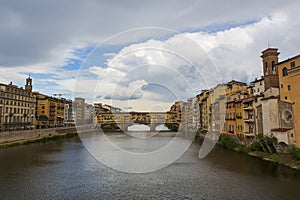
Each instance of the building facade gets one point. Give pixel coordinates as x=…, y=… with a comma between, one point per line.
x=289, y=81
x=50, y=111
x=79, y=108
x=17, y=106
x=272, y=107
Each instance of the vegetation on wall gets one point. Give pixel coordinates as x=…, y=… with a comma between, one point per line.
x=172, y=127
x=294, y=152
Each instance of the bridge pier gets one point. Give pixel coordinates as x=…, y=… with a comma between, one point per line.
x=123, y=127
x=152, y=127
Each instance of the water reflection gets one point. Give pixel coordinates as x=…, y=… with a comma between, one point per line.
x=63, y=169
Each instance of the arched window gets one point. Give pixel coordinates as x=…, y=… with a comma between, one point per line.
x=267, y=68
x=273, y=66
x=284, y=71
x=287, y=115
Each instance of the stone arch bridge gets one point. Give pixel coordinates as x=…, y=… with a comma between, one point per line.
x=124, y=120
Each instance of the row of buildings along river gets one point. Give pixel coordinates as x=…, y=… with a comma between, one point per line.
x=23, y=109
x=270, y=105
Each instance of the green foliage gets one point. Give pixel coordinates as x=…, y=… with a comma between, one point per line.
x=243, y=148
x=227, y=142
x=255, y=146
x=294, y=152
x=270, y=140
x=259, y=136
x=172, y=127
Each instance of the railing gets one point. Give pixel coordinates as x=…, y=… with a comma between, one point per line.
x=248, y=108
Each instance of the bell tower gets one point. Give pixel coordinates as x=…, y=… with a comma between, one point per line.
x=270, y=60
x=28, y=85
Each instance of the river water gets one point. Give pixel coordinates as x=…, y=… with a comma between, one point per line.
x=64, y=169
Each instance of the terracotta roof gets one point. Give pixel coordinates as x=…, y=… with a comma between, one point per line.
x=258, y=80
x=238, y=100
x=248, y=100
x=281, y=129
x=271, y=97
x=288, y=59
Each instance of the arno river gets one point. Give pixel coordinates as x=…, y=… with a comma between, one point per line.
x=64, y=169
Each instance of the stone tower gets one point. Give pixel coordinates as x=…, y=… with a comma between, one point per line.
x=28, y=85
x=270, y=60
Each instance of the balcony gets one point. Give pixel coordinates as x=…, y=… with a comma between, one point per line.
x=249, y=120
x=248, y=108
x=249, y=134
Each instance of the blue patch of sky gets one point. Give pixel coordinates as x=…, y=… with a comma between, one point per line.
x=98, y=55
x=222, y=27
x=38, y=75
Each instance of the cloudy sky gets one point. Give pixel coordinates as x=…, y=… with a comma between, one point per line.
x=109, y=51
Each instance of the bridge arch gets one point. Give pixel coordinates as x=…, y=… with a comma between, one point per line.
x=138, y=127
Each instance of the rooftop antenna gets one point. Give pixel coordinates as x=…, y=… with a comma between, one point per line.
x=269, y=44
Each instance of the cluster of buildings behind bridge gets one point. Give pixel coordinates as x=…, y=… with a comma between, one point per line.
x=270, y=105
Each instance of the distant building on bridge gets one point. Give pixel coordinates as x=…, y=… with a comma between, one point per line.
x=124, y=120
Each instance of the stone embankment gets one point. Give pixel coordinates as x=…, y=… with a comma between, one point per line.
x=20, y=137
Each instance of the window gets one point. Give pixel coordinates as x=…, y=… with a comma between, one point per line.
x=293, y=64
x=289, y=87
x=273, y=66
x=284, y=71
x=287, y=115
x=267, y=68
x=281, y=86
x=285, y=97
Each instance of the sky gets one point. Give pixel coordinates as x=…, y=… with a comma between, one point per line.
x=141, y=55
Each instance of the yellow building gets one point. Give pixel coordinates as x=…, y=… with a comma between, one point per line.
x=112, y=118
x=289, y=81
x=249, y=119
x=239, y=118
x=204, y=100
x=235, y=91
x=177, y=109
x=17, y=107
x=50, y=111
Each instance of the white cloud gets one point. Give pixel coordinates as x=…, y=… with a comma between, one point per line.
x=235, y=52
x=132, y=91
x=33, y=42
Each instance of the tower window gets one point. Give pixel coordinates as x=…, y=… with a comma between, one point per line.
x=273, y=66
x=289, y=87
x=293, y=64
x=267, y=68
x=284, y=71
